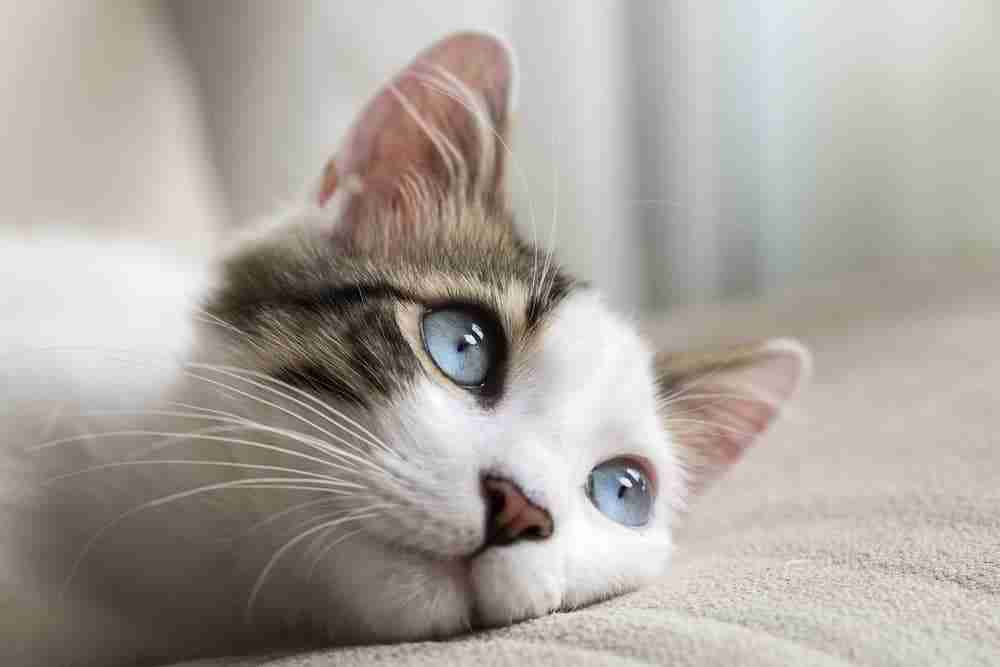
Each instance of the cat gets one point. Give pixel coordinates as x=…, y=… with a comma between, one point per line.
x=397, y=419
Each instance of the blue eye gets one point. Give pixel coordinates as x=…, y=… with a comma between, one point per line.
x=620, y=489
x=463, y=344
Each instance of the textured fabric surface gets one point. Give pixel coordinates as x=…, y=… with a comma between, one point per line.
x=865, y=528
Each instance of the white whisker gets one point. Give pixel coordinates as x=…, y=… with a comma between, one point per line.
x=549, y=255
x=333, y=481
x=277, y=516
x=235, y=374
x=450, y=155
x=272, y=483
x=370, y=438
x=240, y=422
x=708, y=424
x=326, y=463
x=164, y=443
x=327, y=549
x=208, y=411
x=448, y=88
x=262, y=578
x=291, y=434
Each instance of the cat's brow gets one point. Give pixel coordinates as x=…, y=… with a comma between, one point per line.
x=540, y=304
x=349, y=295
x=358, y=294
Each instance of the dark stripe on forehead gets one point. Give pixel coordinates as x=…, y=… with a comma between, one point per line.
x=338, y=299
x=351, y=348
x=345, y=296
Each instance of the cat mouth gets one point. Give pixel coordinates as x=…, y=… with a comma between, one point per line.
x=474, y=580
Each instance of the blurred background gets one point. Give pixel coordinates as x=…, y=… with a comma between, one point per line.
x=690, y=152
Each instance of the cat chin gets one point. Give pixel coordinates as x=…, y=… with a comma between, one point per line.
x=511, y=584
x=441, y=597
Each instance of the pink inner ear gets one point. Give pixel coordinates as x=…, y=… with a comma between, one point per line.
x=328, y=184
x=731, y=407
x=427, y=116
x=732, y=422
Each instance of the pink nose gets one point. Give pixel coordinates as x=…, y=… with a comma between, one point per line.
x=510, y=516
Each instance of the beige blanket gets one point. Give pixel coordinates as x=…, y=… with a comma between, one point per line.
x=865, y=529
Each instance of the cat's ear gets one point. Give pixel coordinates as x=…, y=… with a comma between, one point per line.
x=715, y=404
x=440, y=124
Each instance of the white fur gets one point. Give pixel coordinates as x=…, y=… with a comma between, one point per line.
x=584, y=397
x=69, y=303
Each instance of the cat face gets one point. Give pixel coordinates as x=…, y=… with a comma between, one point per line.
x=496, y=442
x=580, y=394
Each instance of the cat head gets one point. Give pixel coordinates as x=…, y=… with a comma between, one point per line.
x=487, y=440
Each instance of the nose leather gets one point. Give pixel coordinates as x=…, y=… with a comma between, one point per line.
x=510, y=516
